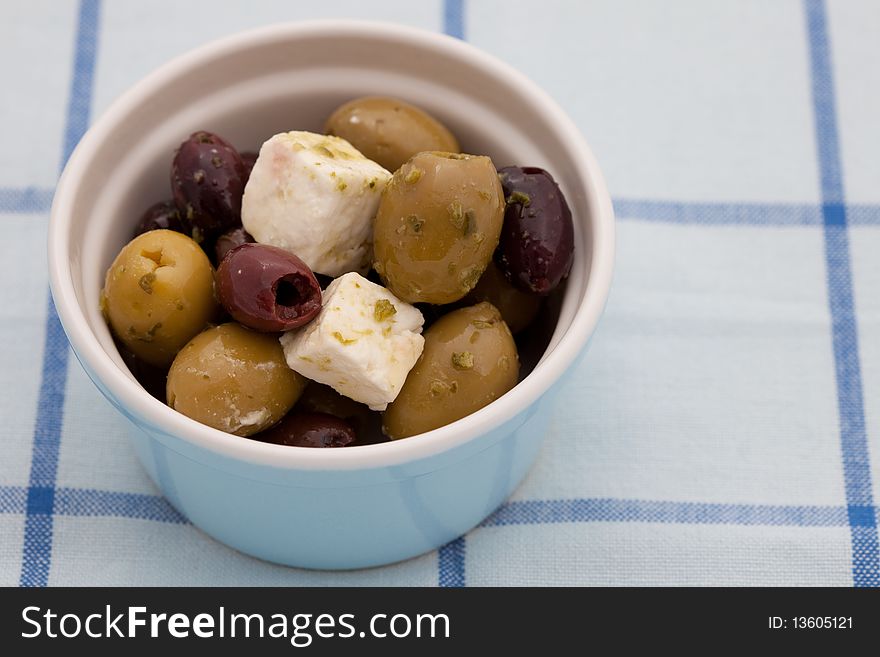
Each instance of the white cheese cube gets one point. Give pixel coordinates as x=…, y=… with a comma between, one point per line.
x=315, y=196
x=363, y=343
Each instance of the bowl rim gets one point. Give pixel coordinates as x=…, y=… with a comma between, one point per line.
x=143, y=408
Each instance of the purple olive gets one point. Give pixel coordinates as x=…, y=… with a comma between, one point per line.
x=267, y=288
x=152, y=378
x=229, y=240
x=250, y=159
x=320, y=398
x=537, y=238
x=160, y=215
x=207, y=180
x=300, y=429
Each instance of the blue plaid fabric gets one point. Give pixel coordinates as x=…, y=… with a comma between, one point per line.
x=725, y=427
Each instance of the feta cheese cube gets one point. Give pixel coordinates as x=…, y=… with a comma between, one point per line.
x=363, y=343
x=315, y=196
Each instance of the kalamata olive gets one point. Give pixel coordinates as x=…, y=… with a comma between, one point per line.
x=152, y=378
x=233, y=379
x=319, y=398
x=249, y=158
x=159, y=293
x=207, y=180
x=301, y=429
x=267, y=288
x=161, y=215
x=518, y=308
x=437, y=226
x=388, y=130
x=229, y=240
x=537, y=239
x=469, y=360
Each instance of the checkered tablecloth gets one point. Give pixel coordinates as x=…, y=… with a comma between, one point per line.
x=725, y=427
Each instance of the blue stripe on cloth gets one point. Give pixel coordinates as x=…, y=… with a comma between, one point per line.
x=853, y=434
x=719, y=214
x=739, y=214
x=79, y=106
x=32, y=200
x=27, y=200
x=37, y=555
x=450, y=563
x=89, y=502
x=453, y=18
x=863, y=215
x=13, y=499
x=539, y=512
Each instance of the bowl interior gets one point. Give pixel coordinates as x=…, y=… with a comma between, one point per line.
x=250, y=87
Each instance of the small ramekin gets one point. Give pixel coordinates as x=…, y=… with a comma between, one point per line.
x=324, y=508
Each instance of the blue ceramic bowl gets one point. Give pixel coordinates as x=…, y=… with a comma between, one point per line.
x=330, y=508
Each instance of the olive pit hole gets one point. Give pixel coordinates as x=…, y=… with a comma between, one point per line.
x=289, y=291
x=158, y=256
x=155, y=256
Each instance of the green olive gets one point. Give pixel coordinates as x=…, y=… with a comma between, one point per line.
x=469, y=360
x=438, y=222
x=159, y=293
x=233, y=379
x=518, y=308
x=389, y=131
